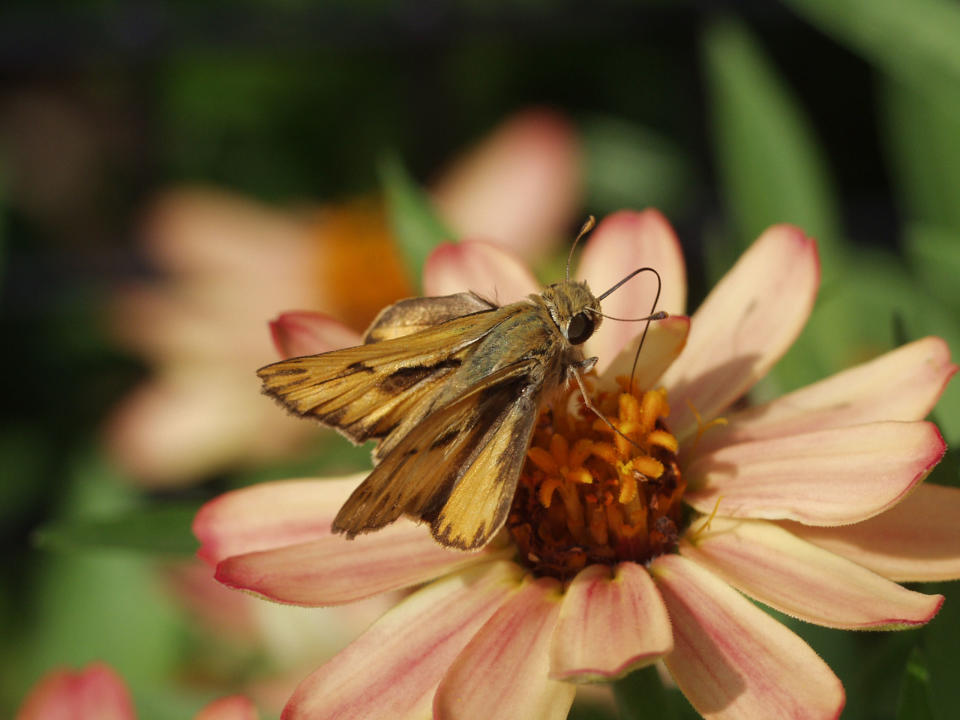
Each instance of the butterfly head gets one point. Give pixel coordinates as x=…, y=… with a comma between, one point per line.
x=574, y=308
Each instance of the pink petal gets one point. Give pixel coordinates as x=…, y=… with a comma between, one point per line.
x=609, y=625
x=393, y=669
x=519, y=187
x=333, y=570
x=833, y=477
x=743, y=327
x=734, y=661
x=916, y=540
x=234, y=707
x=663, y=344
x=269, y=515
x=94, y=693
x=623, y=242
x=310, y=333
x=490, y=271
x=503, y=671
x=903, y=384
x=798, y=578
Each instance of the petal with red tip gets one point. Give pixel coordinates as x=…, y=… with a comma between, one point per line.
x=94, y=693
x=269, y=515
x=235, y=707
x=796, y=577
x=519, y=187
x=393, y=669
x=833, y=477
x=609, y=625
x=623, y=242
x=744, y=326
x=916, y=540
x=488, y=270
x=734, y=661
x=310, y=333
x=663, y=344
x=333, y=570
x=504, y=668
x=903, y=385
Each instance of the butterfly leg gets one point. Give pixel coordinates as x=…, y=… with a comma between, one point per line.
x=586, y=366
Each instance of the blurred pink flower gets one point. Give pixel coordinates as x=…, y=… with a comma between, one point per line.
x=231, y=263
x=98, y=693
x=812, y=504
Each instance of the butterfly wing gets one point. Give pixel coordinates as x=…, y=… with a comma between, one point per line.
x=383, y=389
x=417, y=314
x=459, y=470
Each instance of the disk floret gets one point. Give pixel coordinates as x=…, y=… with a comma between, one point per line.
x=589, y=494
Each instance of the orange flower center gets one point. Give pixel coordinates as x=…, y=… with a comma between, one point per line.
x=588, y=494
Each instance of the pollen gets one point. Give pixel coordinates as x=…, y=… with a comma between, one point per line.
x=598, y=490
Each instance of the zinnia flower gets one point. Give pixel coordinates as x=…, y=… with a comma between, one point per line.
x=231, y=263
x=98, y=693
x=617, y=554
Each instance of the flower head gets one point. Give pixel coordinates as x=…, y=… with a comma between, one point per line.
x=623, y=548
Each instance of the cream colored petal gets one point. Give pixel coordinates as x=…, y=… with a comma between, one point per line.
x=270, y=515
x=663, y=344
x=503, y=671
x=519, y=187
x=488, y=270
x=796, y=577
x=623, y=242
x=332, y=570
x=916, y=540
x=744, y=326
x=392, y=671
x=609, y=625
x=309, y=333
x=833, y=477
x=734, y=661
x=903, y=385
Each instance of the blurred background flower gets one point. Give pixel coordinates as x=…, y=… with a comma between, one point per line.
x=174, y=176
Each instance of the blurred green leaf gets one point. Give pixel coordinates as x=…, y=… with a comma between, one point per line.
x=641, y=695
x=161, y=530
x=915, y=40
x=330, y=456
x=771, y=167
x=941, y=638
x=416, y=226
x=915, y=692
x=922, y=133
x=629, y=166
x=934, y=254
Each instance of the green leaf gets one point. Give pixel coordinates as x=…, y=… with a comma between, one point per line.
x=162, y=530
x=771, y=167
x=941, y=640
x=915, y=40
x=631, y=166
x=934, y=254
x=915, y=692
x=416, y=226
x=922, y=136
x=641, y=695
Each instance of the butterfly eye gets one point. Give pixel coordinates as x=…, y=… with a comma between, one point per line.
x=579, y=328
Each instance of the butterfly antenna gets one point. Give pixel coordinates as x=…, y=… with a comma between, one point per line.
x=649, y=318
x=587, y=227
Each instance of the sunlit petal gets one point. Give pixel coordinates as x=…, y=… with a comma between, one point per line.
x=504, y=669
x=234, y=707
x=609, y=624
x=488, y=270
x=833, y=477
x=744, y=326
x=734, y=661
x=310, y=333
x=800, y=579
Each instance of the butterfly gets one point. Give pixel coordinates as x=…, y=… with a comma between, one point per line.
x=450, y=389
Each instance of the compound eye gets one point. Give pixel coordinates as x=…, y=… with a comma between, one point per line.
x=579, y=328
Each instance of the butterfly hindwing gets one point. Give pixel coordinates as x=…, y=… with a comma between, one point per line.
x=465, y=458
x=416, y=314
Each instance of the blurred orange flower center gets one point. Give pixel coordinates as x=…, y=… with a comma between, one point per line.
x=587, y=494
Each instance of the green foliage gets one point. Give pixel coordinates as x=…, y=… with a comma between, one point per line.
x=416, y=225
x=641, y=695
x=915, y=693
